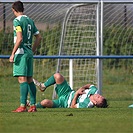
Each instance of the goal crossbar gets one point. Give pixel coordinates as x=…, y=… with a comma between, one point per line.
x=70, y=1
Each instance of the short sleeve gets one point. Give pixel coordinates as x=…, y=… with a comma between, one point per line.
x=35, y=31
x=16, y=23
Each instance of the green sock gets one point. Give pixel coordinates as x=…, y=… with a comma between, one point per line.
x=38, y=105
x=23, y=93
x=32, y=91
x=50, y=81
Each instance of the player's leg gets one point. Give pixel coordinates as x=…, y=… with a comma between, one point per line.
x=42, y=86
x=32, y=87
x=56, y=78
x=19, y=68
x=23, y=94
x=46, y=103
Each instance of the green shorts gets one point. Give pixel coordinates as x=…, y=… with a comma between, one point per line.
x=23, y=65
x=63, y=91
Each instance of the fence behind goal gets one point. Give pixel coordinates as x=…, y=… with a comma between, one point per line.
x=92, y=28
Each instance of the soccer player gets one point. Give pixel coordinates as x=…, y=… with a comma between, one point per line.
x=84, y=97
x=22, y=55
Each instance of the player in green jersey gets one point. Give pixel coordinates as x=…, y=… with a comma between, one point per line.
x=22, y=55
x=85, y=97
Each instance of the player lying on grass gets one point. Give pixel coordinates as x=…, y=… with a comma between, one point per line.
x=84, y=97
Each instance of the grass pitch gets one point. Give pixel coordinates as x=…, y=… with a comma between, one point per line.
x=117, y=118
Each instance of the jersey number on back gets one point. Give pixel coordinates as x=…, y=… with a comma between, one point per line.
x=29, y=31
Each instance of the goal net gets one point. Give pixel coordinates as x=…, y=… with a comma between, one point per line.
x=78, y=37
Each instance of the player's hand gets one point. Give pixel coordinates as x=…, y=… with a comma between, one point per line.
x=80, y=91
x=11, y=59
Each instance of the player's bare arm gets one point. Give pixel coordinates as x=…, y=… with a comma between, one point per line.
x=18, y=42
x=87, y=86
x=37, y=42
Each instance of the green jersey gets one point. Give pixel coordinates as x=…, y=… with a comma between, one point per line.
x=23, y=60
x=66, y=95
x=25, y=25
x=83, y=101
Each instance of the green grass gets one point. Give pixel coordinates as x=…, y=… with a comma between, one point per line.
x=117, y=118
x=114, y=119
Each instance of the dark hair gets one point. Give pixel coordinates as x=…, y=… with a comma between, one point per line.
x=103, y=105
x=18, y=6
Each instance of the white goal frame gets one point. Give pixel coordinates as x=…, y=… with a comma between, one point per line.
x=98, y=50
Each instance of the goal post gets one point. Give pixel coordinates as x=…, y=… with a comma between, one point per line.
x=80, y=36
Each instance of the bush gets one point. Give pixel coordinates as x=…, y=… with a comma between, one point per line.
x=118, y=41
